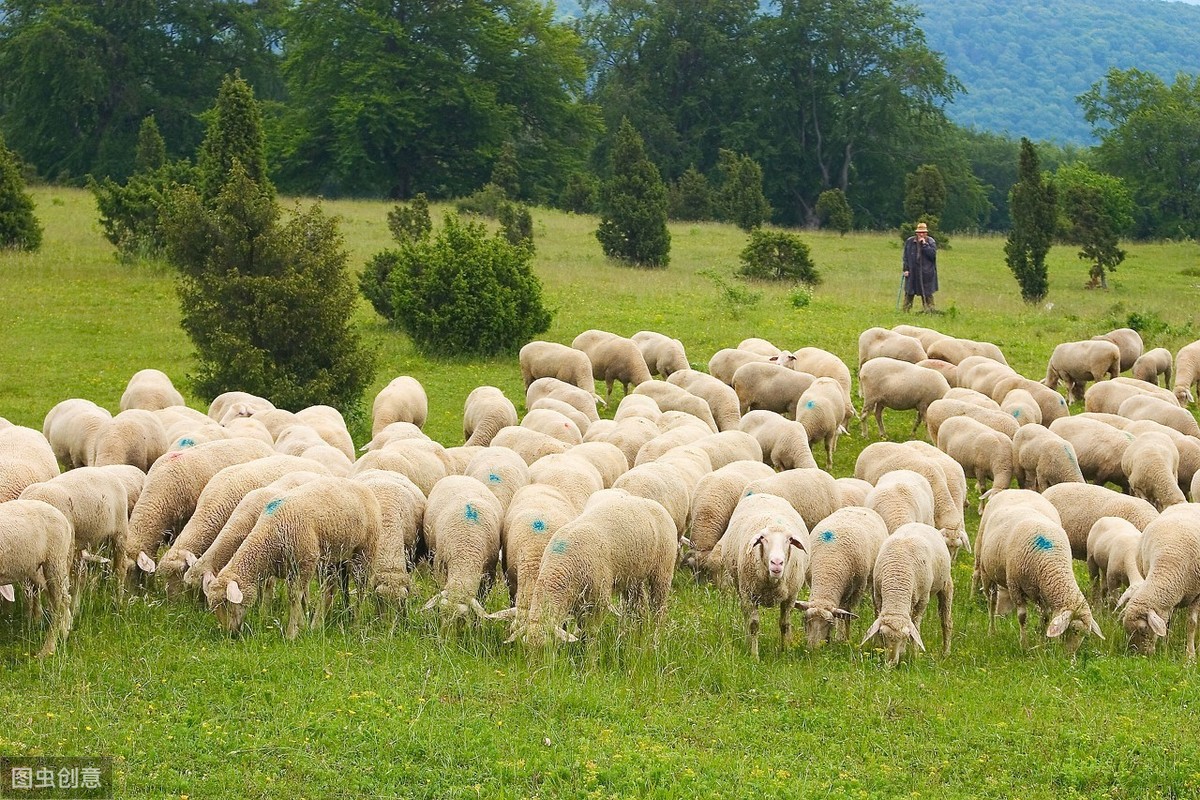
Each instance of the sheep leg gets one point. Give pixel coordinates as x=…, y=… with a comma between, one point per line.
x=862, y=419
x=78, y=572
x=297, y=597
x=879, y=420
x=1193, y=618
x=1022, y=617
x=945, y=601
x=1097, y=581
x=992, y=600
x=750, y=611
x=785, y=624
x=56, y=583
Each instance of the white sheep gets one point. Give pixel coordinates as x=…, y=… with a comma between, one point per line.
x=984, y=453
x=1145, y=407
x=501, y=470
x=949, y=371
x=36, y=542
x=715, y=497
x=402, y=513
x=912, y=563
x=765, y=553
x=132, y=478
x=608, y=459
x=882, y=343
x=1129, y=342
x=530, y=444
x=675, y=437
x=952, y=471
x=844, y=546
x=248, y=428
x=812, y=492
x=1021, y=406
x=852, y=491
x=402, y=400
x=25, y=458
x=1077, y=363
x=890, y=383
x=1151, y=465
x=1187, y=373
x=762, y=347
x=329, y=424
x=136, y=437
x=421, y=461
x=1107, y=396
x=823, y=411
x=485, y=413
x=784, y=443
x=1042, y=458
x=926, y=336
x=275, y=419
x=581, y=420
x=583, y=401
x=1052, y=404
x=769, y=387
x=956, y=350
x=982, y=373
x=1169, y=559
x=150, y=389
x=573, y=475
x=1112, y=557
x=1153, y=363
x=629, y=435
x=670, y=397
x=947, y=408
x=72, y=428
x=899, y=497
x=882, y=457
x=1098, y=446
x=666, y=484
x=541, y=359
x=553, y=424
x=615, y=359
x=637, y=405
x=228, y=405
x=824, y=364
x=972, y=396
x=1079, y=505
x=725, y=362
x=663, y=355
x=1188, y=447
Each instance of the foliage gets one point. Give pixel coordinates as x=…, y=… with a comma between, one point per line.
x=131, y=214
x=410, y=221
x=516, y=223
x=1032, y=203
x=1148, y=138
x=579, y=193
x=691, y=198
x=633, y=202
x=801, y=296
x=1096, y=209
x=151, y=152
x=737, y=299
x=778, y=256
x=234, y=135
x=19, y=228
x=506, y=172
x=464, y=291
x=485, y=202
x=833, y=210
x=740, y=195
x=924, y=201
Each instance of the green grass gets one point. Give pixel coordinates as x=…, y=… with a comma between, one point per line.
x=349, y=711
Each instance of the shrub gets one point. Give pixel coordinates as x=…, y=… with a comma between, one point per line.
x=485, y=202
x=633, y=222
x=801, y=296
x=505, y=172
x=19, y=227
x=691, y=197
x=579, y=194
x=131, y=214
x=410, y=222
x=736, y=299
x=779, y=256
x=464, y=291
x=740, y=196
x=517, y=224
x=833, y=209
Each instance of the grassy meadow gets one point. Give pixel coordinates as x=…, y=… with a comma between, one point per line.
x=351, y=711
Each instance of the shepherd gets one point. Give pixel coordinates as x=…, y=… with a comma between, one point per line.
x=920, y=269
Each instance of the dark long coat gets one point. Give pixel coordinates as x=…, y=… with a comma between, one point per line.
x=921, y=265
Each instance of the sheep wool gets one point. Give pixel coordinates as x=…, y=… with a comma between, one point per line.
x=721, y=398
x=136, y=437
x=663, y=355
x=1079, y=505
x=462, y=531
x=844, y=547
x=35, y=546
x=1169, y=553
x=899, y=497
x=1151, y=463
x=402, y=400
x=540, y=359
x=150, y=389
x=713, y=502
x=25, y=458
x=1113, y=545
x=912, y=564
x=73, y=428
x=891, y=383
x=486, y=413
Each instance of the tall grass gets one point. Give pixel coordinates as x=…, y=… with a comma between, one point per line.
x=350, y=711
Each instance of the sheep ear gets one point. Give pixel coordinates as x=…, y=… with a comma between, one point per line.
x=1157, y=623
x=1127, y=595
x=842, y=613
x=208, y=578
x=797, y=543
x=916, y=636
x=233, y=593
x=146, y=562
x=871, y=631
x=755, y=542
x=433, y=601
x=189, y=558
x=1094, y=627
x=1059, y=624
x=6, y=591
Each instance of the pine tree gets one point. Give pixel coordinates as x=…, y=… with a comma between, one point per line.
x=691, y=197
x=505, y=172
x=234, y=134
x=833, y=209
x=633, y=221
x=151, y=153
x=1033, y=203
x=19, y=228
x=924, y=201
x=741, y=197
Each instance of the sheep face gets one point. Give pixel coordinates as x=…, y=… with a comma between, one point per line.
x=229, y=601
x=1144, y=626
x=819, y=621
x=775, y=546
x=1072, y=626
x=895, y=634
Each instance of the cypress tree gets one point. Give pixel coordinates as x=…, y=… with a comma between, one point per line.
x=19, y=227
x=633, y=221
x=1033, y=204
x=234, y=134
x=741, y=197
x=151, y=151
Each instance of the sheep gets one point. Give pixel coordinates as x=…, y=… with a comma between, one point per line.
x=619, y=543
x=926, y=336
x=35, y=546
x=402, y=513
x=637, y=405
x=975, y=398
x=882, y=457
x=1099, y=448
x=899, y=497
x=890, y=383
x=583, y=401
x=72, y=428
x=172, y=489
x=949, y=371
x=670, y=397
x=952, y=471
x=1187, y=373
x=501, y=470
x=824, y=364
x=248, y=428
x=713, y=501
x=1076, y=363
x=760, y=346
x=608, y=459
x=275, y=419
x=722, y=400
x=216, y=502
x=402, y=400
x=629, y=435
x=1194, y=491
x=1112, y=557
x=1042, y=458
x=664, y=483
x=150, y=389
x=663, y=355
x=485, y=413
x=1129, y=342
x=852, y=491
x=331, y=458
x=136, y=437
x=615, y=359
x=530, y=444
x=296, y=438
x=880, y=342
x=982, y=452
x=784, y=443
x=1020, y=405
x=323, y=524
x=1107, y=396
x=566, y=409
x=823, y=411
x=769, y=387
x=25, y=458
x=183, y=435
x=1172, y=416
x=1081, y=504
x=1023, y=555
x=1168, y=554
x=946, y=408
x=329, y=424
x=1151, y=364
x=241, y=522
x=172, y=415
x=1188, y=447
x=228, y=405
x=132, y=478
x=1151, y=464
x=727, y=361
x=811, y=491
x=956, y=350
x=912, y=563
x=423, y=463
x=844, y=546
x=693, y=462
x=574, y=476
x=1052, y=404
x=982, y=373
x=553, y=424
x=676, y=437
x=458, y=458
x=539, y=359
x=765, y=554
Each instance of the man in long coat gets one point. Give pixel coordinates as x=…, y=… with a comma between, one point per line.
x=920, y=268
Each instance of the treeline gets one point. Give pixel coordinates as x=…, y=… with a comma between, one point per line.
x=391, y=98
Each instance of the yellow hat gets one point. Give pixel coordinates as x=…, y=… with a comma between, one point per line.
x=921, y=226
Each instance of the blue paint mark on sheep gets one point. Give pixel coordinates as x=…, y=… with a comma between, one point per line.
x=273, y=506
x=470, y=513
x=538, y=525
x=559, y=547
x=187, y=442
x=1042, y=543
x=811, y=404
x=1070, y=453
x=1017, y=413
x=827, y=536
x=494, y=478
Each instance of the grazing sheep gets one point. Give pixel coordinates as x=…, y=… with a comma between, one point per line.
x=1151, y=464
x=402, y=400
x=765, y=554
x=1024, y=555
x=784, y=443
x=540, y=359
x=402, y=513
x=25, y=458
x=296, y=438
x=949, y=371
x=331, y=458
x=1052, y=404
x=1144, y=407
x=760, y=346
x=36, y=542
x=722, y=400
x=882, y=457
x=952, y=471
x=663, y=355
x=900, y=497
x=844, y=546
x=1170, y=545
x=769, y=387
x=723, y=448
x=880, y=342
x=982, y=373
x=136, y=437
x=485, y=413
x=608, y=459
x=665, y=483
x=975, y=398
x=812, y=492
x=1076, y=363
x=1129, y=342
x=1187, y=373
x=948, y=408
x=133, y=480
x=956, y=350
x=422, y=462
x=573, y=475
x=890, y=383
x=619, y=543
x=982, y=452
x=229, y=405
x=823, y=411
x=713, y=502
x=327, y=524
x=675, y=437
x=581, y=420
x=1079, y=505
x=458, y=458
x=248, y=428
x=462, y=531
x=726, y=362
x=329, y=424
x=1188, y=447
x=1112, y=557
x=1098, y=446
x=824, y=364
x=1153, y=363
x=72, y=428
x=583, y=401
x=670, y=397
x=553, y=424
x=150, y=389
x=853, y=492
x=637, y=405
x=615, y=359
x=1107, y=396
x=926, y=336
x=1020, y=405
x=912, y=563
x=1042, y=458
x=501, y=470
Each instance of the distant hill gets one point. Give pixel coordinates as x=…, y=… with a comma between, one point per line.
x=1023, y=62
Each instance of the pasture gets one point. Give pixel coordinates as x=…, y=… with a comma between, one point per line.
x=351, y=711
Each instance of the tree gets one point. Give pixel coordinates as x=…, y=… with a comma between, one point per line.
x=924, y=201
x=579, y=194
x=505, y=173
x=778, y=256
x=19, y=228
x=691, y=197
x=235, y=134
x=151, y=152
x=1033, y=204
x=633, y=202
x=834, y=211
x=1096, y=210
x=740, y=196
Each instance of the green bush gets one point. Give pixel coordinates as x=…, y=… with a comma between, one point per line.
x=833, y=209
x=486, y=202
x=691, y=197
x=517, y=224
x=579, y=194
x=131, y=214
x=410, y=222
x=778, y=256
x=19, y=227
x=740, y=196
x=464, y=291
x=633, y=201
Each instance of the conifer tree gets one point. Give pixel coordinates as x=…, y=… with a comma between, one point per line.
x=741, y=197
x=151, y=151
x=633, y=221
x=19, y=227
x=833, y=209
x=234, y=134
x=1033, y=203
